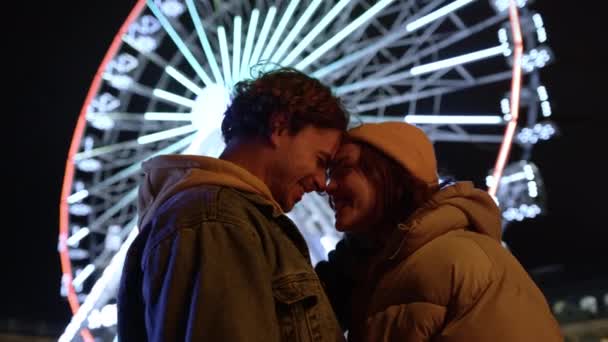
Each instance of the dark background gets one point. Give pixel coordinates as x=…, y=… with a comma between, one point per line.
x=54, y=48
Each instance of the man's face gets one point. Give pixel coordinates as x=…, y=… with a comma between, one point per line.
x=351, y=192
x=301, y=163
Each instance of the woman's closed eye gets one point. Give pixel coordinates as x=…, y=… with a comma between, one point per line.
x=340, y=171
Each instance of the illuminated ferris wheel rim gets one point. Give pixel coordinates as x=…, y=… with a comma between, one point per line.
x=66, y=266
x=115, y=47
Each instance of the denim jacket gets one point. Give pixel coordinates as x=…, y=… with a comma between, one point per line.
x=214, y=263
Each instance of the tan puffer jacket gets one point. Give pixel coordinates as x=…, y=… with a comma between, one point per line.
x=444, y=276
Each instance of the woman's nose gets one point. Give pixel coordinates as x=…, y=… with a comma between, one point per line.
x=320, y=182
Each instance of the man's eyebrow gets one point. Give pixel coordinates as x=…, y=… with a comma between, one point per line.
x=326, y=158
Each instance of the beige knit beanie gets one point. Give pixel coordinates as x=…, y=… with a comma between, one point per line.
x=405, y=143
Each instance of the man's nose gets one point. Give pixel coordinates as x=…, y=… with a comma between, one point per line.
x=320, y=181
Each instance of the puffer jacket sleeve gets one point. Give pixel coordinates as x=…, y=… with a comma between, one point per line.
x=340, y=272
x=209, y=283
x=407, y=322
x=336, y=276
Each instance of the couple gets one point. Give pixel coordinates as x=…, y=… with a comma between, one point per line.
x=217, y=259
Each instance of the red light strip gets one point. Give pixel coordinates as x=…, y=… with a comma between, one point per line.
x=66, y=266
x=505, y=148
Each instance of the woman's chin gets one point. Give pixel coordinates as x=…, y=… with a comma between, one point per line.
x=341, y=229
x=343, y=225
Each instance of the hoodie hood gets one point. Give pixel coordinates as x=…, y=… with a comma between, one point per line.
x=169, y=174
x=454, y=207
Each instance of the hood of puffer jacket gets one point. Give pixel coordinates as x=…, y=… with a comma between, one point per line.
x=169, y=174
x=457, y=206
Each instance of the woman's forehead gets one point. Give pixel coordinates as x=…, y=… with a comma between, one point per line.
x=349, y=151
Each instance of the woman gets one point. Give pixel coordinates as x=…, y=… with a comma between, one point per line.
x=422, y=262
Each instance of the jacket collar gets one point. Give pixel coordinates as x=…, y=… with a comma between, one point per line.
x=458, y=206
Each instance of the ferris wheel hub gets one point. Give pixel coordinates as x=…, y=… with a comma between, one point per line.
x=207, y=113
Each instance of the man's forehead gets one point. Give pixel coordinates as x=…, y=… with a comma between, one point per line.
x=329, y=142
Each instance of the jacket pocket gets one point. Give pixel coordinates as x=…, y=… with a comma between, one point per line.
x=296, y=298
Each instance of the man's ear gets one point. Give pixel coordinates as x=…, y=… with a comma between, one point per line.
x=278, y=128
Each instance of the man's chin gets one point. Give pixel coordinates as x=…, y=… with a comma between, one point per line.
x=287, y=208
x=288, y=205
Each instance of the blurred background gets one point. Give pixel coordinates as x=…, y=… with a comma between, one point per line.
x=56, y=48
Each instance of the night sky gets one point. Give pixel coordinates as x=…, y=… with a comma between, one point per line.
x=59, y=45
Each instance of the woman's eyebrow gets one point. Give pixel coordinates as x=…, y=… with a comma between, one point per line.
x=337, y=161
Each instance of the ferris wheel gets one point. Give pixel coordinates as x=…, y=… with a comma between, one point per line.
x=166, y=80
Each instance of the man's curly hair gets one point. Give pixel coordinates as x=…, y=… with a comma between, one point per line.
x=302, y=99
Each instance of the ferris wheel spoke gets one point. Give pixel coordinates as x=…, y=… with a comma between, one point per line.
x=441, y=12
x=304, y=18
x=125, y=201
x=183, y=143
x=423, y=69
x=236, y=47
x=166, y=134
x=116, y=116
x=251, y=30
x=183, y=48
x=135, y=168
x=260, y=42
x=96, y=152
x=452, y=39
x=183, y=80
x=225, y=57
x=149, y=116
x=196, y=20
x=167, y=116
x=163, y=95
x=150, y=55
x=419, y=85
x=358, y=70
x=371, y=84
x=402, y=15
x=413, y=55
x=464, y=73
x=455, y=119
x=460, y=60
x=455, y=19
x=331, y=42
x=455, y=122
x=171, y=70
x=361, y=108
x=168, y=97
x=316, y=30
x=279, y=30
x=398, y=32
x=466, y=138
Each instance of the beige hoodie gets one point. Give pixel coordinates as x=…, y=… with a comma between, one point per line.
x=169, y=174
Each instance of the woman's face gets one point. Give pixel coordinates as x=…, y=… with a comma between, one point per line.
x=351, y=192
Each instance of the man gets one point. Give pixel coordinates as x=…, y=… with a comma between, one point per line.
x=216, y=258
